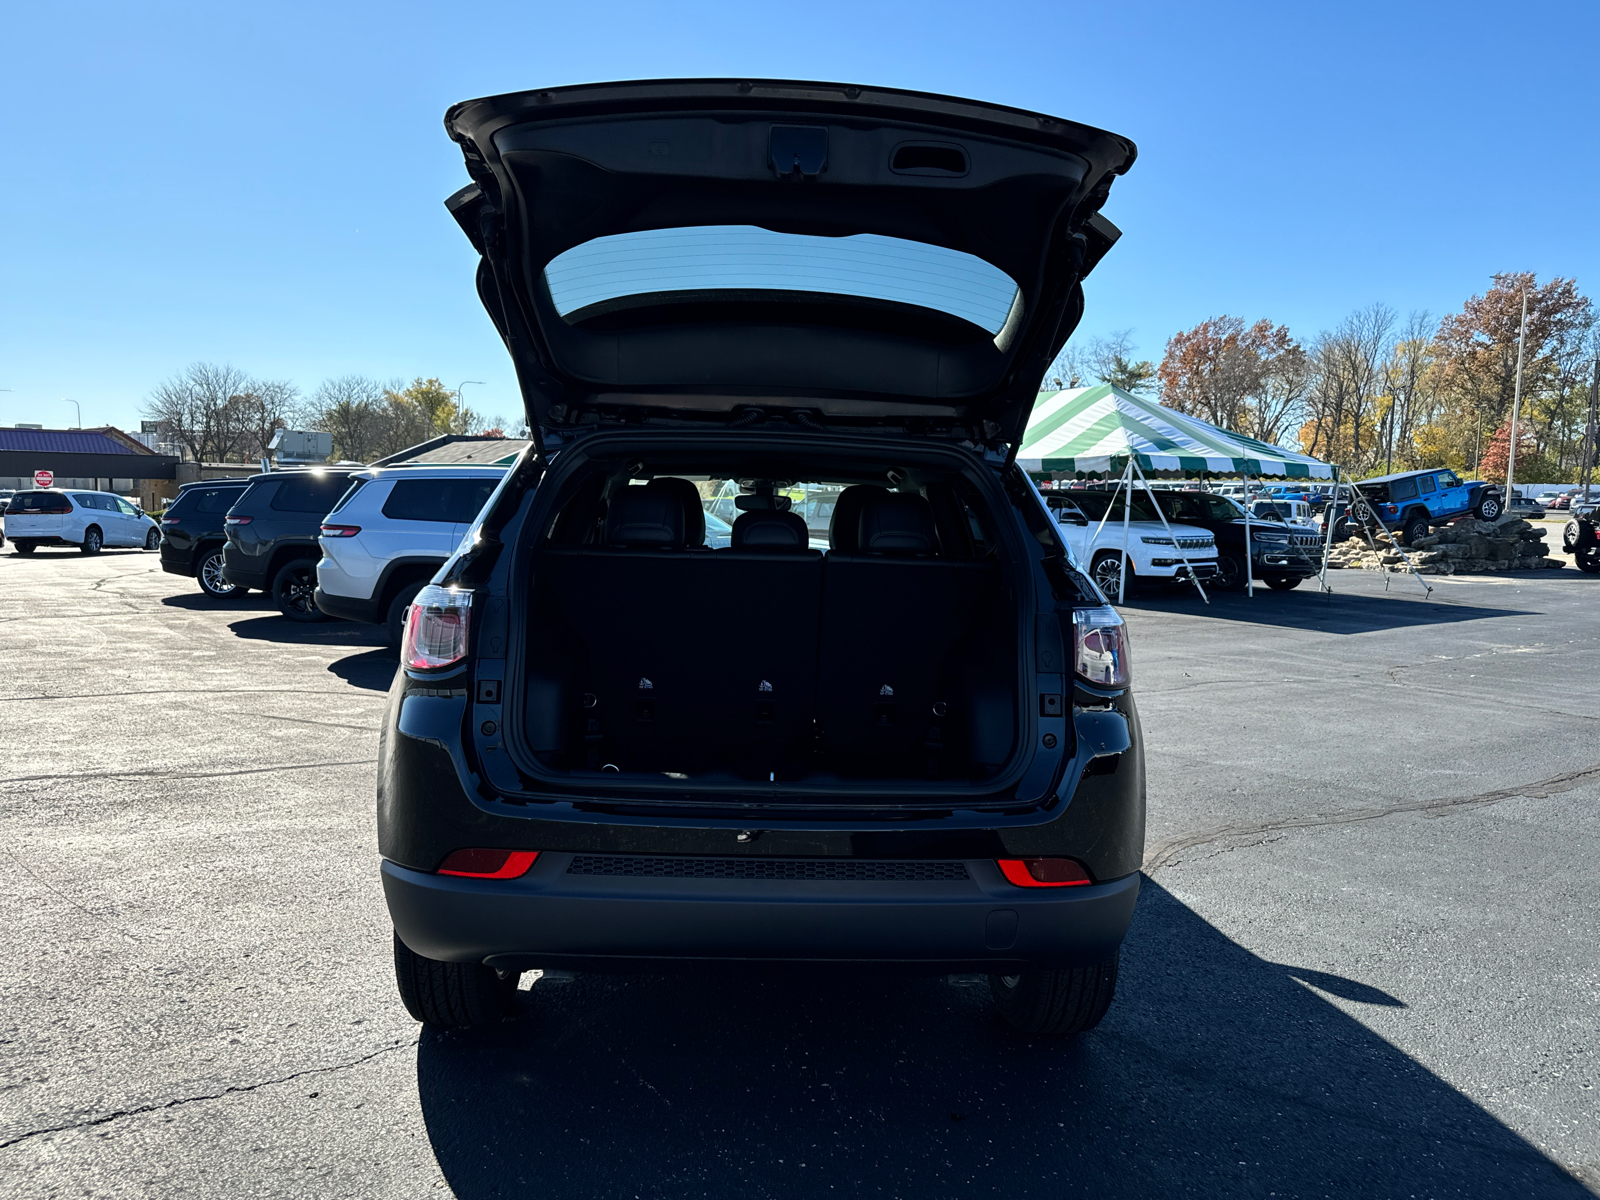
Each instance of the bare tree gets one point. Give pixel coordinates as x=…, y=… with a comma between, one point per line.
x=258, y=411
x=354, y=410
x=195, y=406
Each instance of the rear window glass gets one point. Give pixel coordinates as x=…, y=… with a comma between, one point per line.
x=738, y=258
x=205, y=500
x=1403, y=489
x=309, y=493
x=456, y=500
x=38, y=502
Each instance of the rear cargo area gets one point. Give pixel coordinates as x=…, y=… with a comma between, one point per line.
x=890, y=655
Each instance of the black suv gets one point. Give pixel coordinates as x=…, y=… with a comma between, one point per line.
x=192, y=533
x=272, y=536
x=1282, y=555
x=612, y=748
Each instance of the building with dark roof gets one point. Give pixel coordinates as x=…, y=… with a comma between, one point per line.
x=457, y=450
x=103, y=459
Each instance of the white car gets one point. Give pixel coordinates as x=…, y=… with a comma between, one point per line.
x=86, y=520
x=390, y=532
x=1155, y=551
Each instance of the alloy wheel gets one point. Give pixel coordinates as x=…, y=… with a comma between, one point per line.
x=211, y=579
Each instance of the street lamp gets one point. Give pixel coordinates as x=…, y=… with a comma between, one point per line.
x=77, y=406
x=464, y=382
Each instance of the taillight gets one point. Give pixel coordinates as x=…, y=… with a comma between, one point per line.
x=237, y=520
x=1044, y=872
x=488, y=864
x=436, y=628
x=170, y=521
x=340, y=530
x=1100, y=647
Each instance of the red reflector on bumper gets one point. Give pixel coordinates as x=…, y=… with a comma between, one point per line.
x=488, y=864
x=1044, y=872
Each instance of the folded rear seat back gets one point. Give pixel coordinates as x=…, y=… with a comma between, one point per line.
x=901, y=633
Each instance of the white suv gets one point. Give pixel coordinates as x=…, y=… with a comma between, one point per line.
x=1156, y=550
x=87, y=520
x=390, y=532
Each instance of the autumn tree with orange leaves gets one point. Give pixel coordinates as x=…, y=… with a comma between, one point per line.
x=1251, y=379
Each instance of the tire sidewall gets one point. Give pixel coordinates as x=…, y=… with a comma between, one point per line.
x=284, y=586
x=1111, y=565
x=93, y=540
x=395, y=617
x=230, y=591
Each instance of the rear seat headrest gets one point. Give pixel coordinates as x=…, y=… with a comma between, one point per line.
x=767, y=529
x=694, y=513
x=844, y=527
x=641, y=518
x=898, y=523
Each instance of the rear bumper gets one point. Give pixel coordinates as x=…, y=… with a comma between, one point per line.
x=242, y=570
x=176, y=562
x=348, y=608
x=550, y=918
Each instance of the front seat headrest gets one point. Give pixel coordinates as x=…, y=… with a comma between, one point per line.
x=641, y=519
x=844, y=527
x=768, y=530
x=898, y=523
x=694, y=513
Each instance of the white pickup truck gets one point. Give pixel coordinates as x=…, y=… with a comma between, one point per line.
x=1155, y=551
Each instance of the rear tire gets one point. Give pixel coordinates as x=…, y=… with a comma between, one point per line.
x=396, y=617
x=23, y=548
x=1056, y=1003
x=92, y=540
x=1416, y=527
x=449, y=995
x=294, y=591
x=152, y=540
x=1279, y=583
x=208, y=574
x=1588, y=560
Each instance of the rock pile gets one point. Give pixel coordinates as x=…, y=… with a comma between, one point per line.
x=1464, y=547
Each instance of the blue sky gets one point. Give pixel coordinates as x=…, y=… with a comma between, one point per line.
x=261, y=184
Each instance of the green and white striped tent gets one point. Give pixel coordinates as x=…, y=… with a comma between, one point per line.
x=1093, y=430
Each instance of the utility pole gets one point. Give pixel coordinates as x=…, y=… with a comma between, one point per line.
x=1516, y=405
x=1591, y=429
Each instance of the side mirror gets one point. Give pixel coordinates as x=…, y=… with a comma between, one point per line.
x=1071, y=518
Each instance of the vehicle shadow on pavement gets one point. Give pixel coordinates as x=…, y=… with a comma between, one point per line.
x=1341, y=612
x=373, y=670
x=1216, y=1073
x=198, y=601
x=273, y=626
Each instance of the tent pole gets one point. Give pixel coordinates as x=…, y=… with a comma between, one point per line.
x=1127, y=507
x=1249, y=548
x=1327, y=531
x=1155, y=504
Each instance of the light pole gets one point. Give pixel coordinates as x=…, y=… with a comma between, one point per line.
x=459, y=408
x=77, y=406
x=1516, y=406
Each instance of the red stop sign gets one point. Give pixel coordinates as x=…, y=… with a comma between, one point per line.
x=44, y=479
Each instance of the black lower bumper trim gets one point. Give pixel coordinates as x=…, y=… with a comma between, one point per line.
x=347, y=608
x=550, y=918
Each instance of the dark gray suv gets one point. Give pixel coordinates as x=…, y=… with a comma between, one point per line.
x=611, y=747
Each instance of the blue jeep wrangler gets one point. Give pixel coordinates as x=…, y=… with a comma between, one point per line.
x=1412, y=501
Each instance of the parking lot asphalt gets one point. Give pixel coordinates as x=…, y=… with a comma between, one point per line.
x=1364, y=962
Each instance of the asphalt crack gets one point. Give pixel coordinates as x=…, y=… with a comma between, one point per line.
x=154, y=773
x=1165, y=853
x=231, y=1090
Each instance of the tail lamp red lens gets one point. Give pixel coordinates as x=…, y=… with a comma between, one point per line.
x=340, y=530
x=488, y=864
x=237, y=520
x=1100, y=647
x=1044, y=872
x=436, y=629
